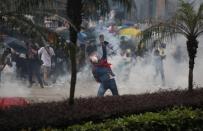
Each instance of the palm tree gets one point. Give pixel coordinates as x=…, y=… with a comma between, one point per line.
x=187, y=22
x=75, y=10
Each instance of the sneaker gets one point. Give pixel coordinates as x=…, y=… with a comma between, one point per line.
x=46, y=84
x=41, y=86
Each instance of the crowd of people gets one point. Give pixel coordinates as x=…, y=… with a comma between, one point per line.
x=44, y=64
x=37, y=65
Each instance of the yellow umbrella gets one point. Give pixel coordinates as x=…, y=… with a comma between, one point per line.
x=130, y=31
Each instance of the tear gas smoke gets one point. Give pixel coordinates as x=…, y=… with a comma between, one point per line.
x=10, y=86
x=134, y=79
x=139, y=77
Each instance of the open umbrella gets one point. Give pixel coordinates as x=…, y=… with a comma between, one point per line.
x=17, y=47
x=15, y=44
x=130, y=31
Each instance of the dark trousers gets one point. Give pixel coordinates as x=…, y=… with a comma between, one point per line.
x=22, y=67
x=104, y=86
x=34, y=70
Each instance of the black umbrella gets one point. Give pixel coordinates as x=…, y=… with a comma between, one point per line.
x=17, y=47
x=15, y=44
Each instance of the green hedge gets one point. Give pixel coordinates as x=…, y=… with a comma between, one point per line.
x=180, y=119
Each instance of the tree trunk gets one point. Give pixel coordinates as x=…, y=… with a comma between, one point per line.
x=190, y=77
x=192, y=45
x=73, y=39
x=74, y=8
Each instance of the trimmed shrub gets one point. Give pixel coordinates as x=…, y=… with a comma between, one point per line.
x=177, y=119
x=61, y=115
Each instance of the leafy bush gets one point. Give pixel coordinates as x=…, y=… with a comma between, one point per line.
x=171, y=120
x=60, y=114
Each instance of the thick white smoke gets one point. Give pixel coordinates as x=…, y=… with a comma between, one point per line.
x=140, y=77
x=10, y=86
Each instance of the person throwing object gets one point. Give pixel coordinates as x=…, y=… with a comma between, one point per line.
x=103, y=74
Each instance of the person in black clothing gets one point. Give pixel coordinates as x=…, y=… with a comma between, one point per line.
x=21, y=65
x=5, y=60
x=34, y=65
x=60, y=63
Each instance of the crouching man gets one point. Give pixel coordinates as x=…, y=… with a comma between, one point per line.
x=103, y=74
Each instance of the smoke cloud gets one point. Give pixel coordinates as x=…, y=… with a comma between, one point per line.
x=139, y=77
x=10, y=86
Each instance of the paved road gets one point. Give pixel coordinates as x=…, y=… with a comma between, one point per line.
x=57, y=93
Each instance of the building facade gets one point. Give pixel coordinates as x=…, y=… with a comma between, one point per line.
x=155, y=9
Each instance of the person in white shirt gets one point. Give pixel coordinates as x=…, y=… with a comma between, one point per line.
x=159, y=67
x=46, y=54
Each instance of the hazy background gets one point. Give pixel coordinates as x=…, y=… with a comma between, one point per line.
x=141, y=75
